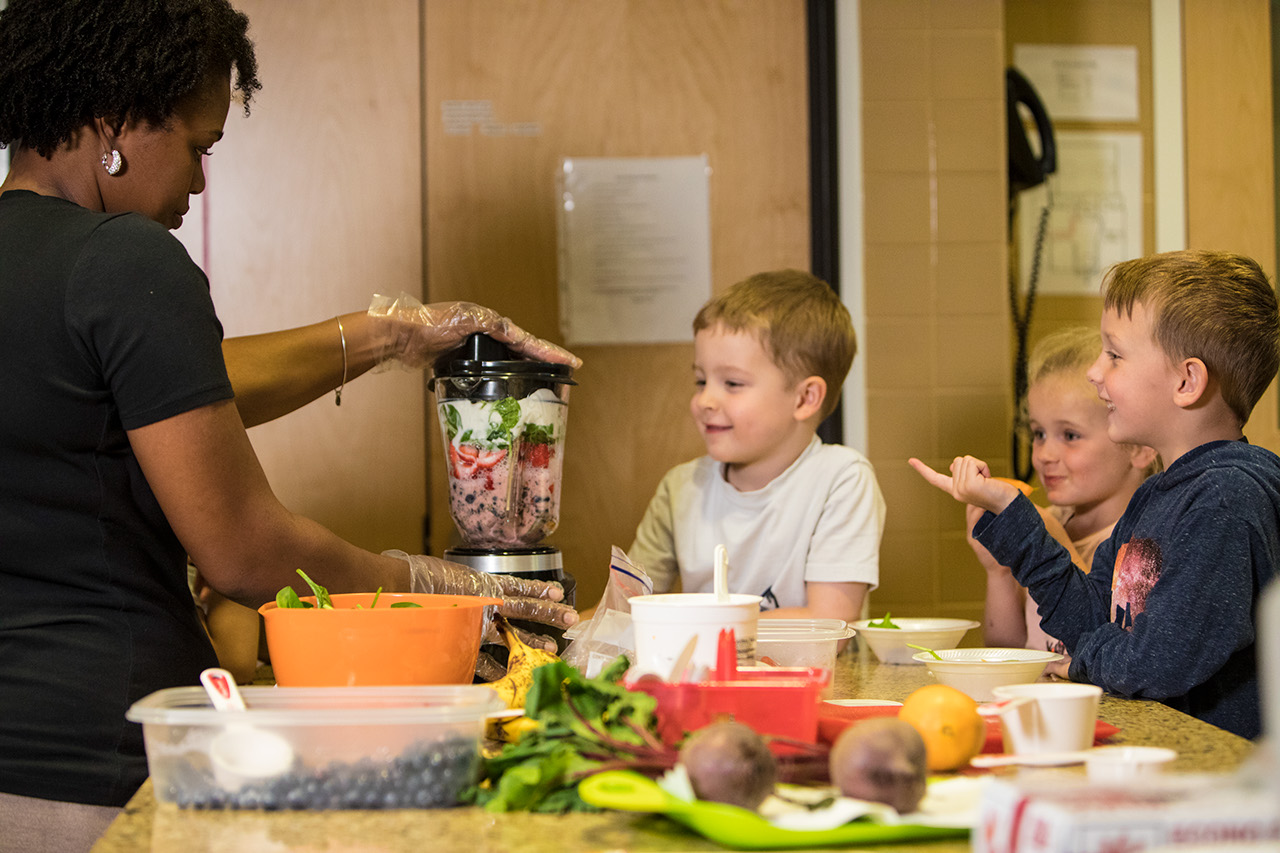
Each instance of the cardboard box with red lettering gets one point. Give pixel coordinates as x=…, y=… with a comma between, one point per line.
x=1066, y=813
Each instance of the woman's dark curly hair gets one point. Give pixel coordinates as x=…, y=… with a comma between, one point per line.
x=64, y=63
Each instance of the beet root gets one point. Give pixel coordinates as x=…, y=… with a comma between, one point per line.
x=882, y=760
x=728, y=762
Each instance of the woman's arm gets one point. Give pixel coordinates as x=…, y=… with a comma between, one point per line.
x=203, y=471
x=207, y=480
x=277, y=372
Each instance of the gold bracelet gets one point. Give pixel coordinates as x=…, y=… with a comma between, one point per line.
x=342, y=335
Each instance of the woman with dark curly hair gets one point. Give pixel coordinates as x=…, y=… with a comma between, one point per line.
x=122, y=443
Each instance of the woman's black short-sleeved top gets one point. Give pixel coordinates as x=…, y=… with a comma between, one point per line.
x=106, y=325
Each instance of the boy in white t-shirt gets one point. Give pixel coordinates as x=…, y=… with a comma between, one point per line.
x=801, y=520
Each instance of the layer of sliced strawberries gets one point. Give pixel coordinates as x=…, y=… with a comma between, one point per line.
x=469, y=461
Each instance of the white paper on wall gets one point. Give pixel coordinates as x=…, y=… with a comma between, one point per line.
x=1096, y=214
x=1082, y=82
x=634, y=248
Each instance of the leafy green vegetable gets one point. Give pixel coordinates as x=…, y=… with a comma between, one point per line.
x=452, y=420
x=584, y=726
x=540, y=433
x=287, y=597
x=924, y=649
x=323, y=601
x=883, y=623
x=508, y=408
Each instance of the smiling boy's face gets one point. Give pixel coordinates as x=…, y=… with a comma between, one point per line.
x=1134, y=378
x=744, y=405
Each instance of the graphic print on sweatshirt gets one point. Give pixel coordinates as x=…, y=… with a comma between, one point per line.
x=1138, y=567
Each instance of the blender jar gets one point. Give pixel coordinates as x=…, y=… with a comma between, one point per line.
x=502, y=419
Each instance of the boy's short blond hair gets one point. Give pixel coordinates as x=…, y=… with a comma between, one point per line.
x=800, y=321
x=1215, y=306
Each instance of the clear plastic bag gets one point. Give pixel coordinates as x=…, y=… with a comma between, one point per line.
x=608, y=633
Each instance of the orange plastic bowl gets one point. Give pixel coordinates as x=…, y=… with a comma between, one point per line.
x=350, y=646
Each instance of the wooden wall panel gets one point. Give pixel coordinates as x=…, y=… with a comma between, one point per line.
x=1230, y=155
x=1087, y=23
x=313, y=205
x=626, y=78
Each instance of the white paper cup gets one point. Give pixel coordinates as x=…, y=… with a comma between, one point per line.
x=664, y=623
x=1058, y=717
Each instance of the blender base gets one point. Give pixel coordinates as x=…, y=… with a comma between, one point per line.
x=527, y=562
x=540, y=563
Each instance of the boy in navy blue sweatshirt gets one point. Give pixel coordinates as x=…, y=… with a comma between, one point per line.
x=1189, y=345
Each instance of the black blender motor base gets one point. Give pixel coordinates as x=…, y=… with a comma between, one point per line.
x=539, y=563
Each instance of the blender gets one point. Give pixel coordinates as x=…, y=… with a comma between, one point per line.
x=502, y=419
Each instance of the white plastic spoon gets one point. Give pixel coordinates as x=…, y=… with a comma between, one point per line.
x=722, y=575
x=241, y=753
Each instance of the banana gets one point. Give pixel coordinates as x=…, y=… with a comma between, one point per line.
x=508, y=727
x=522, y=660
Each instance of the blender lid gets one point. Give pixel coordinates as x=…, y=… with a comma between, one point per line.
x=481, y=356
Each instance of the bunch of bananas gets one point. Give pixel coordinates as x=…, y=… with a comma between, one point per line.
x=522, y=660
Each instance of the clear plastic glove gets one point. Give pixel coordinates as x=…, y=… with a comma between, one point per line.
x=529, y=600
x=493, y=637
x=416, y=334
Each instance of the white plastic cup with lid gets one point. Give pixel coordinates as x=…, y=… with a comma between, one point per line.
x=664, y=624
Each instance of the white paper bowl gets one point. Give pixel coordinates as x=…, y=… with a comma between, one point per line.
x=890, y=644
x=978, y=672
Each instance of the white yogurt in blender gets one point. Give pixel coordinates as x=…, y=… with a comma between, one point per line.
x=505, y=461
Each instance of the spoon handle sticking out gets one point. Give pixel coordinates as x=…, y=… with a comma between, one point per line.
x=222, y=689
x=722, y=574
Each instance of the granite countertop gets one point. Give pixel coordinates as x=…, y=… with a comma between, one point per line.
x=148, y=825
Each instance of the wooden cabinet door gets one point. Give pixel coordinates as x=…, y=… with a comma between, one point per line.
x=313, y=205
x=556, y=78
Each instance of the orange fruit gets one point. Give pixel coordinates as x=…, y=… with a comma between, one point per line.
x=949, y=722
x=1025, y=488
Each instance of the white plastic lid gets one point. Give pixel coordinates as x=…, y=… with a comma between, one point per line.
x=323, y=706
x=791, y=630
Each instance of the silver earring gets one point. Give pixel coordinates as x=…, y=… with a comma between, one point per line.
x=112, y=162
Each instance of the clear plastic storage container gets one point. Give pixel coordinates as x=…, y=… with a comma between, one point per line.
x=316, y=748
x=800, y=642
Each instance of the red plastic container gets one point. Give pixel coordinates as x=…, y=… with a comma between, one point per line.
x=780, y=701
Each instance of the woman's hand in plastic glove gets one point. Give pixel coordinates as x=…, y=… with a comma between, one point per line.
x=528, y=600
x=417, y=334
